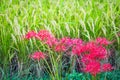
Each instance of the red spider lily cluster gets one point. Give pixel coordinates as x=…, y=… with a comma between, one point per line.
x=37, y=55
x=92, y=53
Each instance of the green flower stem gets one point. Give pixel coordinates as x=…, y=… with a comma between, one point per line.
x=94, y=78
x=38, y=72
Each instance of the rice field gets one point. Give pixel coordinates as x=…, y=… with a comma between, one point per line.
x=83, y=19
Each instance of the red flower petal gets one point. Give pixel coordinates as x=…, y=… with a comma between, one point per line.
x=102, y=41
x=107, y=67
x=37, y=55
x=93, y=68
x=30, y=34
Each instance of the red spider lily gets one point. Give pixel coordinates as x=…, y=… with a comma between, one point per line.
x=83, y=48
x=93, y=57
x=77, y=41
x=37, y=56
x=60, y=48
x=78, y=49
x=66, y=41
x=63, y=45
x=51, y=42
x=102, y=41
x=30, y=34
x=90, y=46
x=91, y=53
x=44, y=35
x=93, y=68
x=47, y=37
x=107, y=67
x=98, y=52
x=87, y=59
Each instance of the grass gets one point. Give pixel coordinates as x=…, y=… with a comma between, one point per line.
x=85, y=19
x=72, y=76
